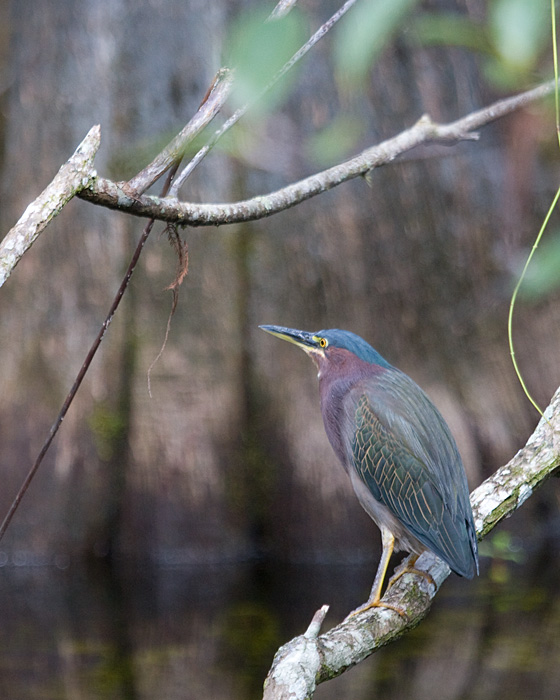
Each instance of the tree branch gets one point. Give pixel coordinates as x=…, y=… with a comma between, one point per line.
x=171, y=155
x=72, y=177
x=116, y=195
x=304, y=662
x=239, y=113
x=78, y=173
x=282, y=9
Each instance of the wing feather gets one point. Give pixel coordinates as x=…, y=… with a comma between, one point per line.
x=405, y=455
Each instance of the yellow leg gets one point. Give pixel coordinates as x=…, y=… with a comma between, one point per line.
x=374, y=600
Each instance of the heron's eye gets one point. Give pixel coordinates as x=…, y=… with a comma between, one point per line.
x=323, y=342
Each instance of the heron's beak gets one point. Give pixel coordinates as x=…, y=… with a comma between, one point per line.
x=303, y=339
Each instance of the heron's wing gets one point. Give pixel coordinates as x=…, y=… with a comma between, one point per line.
x=406, y=412
x=406, y=456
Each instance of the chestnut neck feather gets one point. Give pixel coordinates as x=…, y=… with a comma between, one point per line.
x=339, y=371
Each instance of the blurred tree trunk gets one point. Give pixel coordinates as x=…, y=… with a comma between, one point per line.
x=229, y=454
x=421, y=262
x=146, y=475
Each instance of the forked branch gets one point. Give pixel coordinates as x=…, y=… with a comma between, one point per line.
x=117, y=196
x=78, y=173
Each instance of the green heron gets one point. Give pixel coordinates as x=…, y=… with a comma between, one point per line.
x=397, y=449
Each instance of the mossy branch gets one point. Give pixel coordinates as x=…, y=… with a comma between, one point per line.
x=304, y=662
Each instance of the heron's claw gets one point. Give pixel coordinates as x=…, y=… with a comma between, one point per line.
x=378, y=604
x=410, y=569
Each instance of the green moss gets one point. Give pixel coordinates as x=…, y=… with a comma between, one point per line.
x=108, y=427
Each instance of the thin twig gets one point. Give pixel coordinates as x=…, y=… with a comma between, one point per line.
x=78, y=381
x=174, y=151
x=236, y=116
x=110, y=194
x=159, y=355
x=84, y=368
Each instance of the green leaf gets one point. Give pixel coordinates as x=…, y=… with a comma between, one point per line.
x=450, y=29
x=363, y=33
x=336, y=141
x=513, y=38
x=257, y=49
x=543, y=274
x=519, y=30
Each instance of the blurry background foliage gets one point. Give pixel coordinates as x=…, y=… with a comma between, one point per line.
x=363, y=35
x=257, y=49
x=513, y=41
x=543, y=274
x=514, y=38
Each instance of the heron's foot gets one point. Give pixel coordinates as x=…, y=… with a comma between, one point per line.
x=378, y=604
x=409, y=568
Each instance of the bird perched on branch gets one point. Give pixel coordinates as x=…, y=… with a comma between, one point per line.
x=397, y=449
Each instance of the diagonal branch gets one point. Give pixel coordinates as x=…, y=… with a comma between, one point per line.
x=74, y=175
x=210, y=106
x=239, y=113
x=93, y=140
x=77, y=382
x=172, y=154
x=115, y=195
x=304, y=662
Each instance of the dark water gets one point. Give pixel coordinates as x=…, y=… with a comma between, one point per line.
x=74, y=631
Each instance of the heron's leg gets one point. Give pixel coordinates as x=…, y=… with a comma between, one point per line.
x=374, y=600
x=388, y=545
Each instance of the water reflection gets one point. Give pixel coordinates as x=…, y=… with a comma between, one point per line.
x=211, y=632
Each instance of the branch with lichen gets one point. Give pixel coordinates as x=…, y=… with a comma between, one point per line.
x=78, y=178
x=72, y=177
x=304, y=662
x=119, y=196
x=78, y=173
